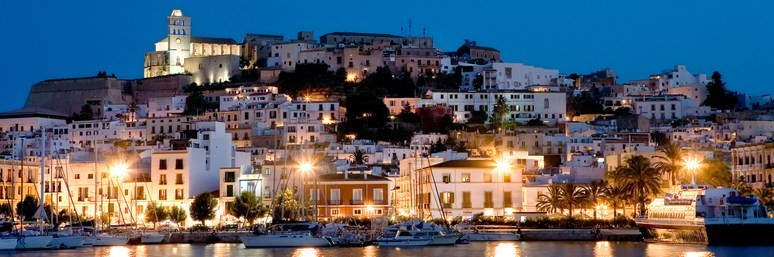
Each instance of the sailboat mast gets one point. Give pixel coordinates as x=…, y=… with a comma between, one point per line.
x=41, y=210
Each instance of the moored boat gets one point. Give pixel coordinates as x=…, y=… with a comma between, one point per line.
x=700, y=214
x=152, y=238
x=8, y=243
x=288, y=235
x=489, y=232
x=66, y=241
x=110, y=240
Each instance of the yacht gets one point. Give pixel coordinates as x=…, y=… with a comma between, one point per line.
x=489, y=232
x=8, y=243
x=152, y=238
x=412, y=234
x=108, y=240
x=288, y=235
x=66, y=241
x=701, y=214
x=33, y=240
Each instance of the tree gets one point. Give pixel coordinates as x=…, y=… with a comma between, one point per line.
x=714, y=173
x=287, y=206
x=155, y=213
x=616, y=194
x=178, y=214
x=6, y=209
x=765, y=195
x=594, y=192
x=438, y=146
x=572, y=196
x=499, y=112
x=536, y=122
x=552, y=201
x=407, y=114
x=743, y=188
x=585, y=103
x=247, y=206
x=717, y=95
x=640, y=178
x=446, y=124
x=477, y=117
x=359, y=157
x=203, y=207
x=85, y=114
x=478, y=82
x=27, y=207
x=659, y=137
x=670, y=163
x=195, y=103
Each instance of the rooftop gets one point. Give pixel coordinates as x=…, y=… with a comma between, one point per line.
x=350, y=177
x=28, y=112
x=360, y=34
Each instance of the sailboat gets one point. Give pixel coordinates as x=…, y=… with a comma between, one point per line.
x=35, y=239
x=98, y=239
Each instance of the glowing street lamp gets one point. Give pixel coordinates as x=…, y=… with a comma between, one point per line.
x=692, y=165
x=118, y=170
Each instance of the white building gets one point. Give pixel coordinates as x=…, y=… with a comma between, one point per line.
x=524, y=105
x=166, y=106
x=508, y=76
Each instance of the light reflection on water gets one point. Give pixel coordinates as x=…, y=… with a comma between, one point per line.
x=490, y=249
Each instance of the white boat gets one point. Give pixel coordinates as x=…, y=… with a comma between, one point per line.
x=66, y=242
x=292, y=239
x=8, y=243
x=489, y=232
x=436, y=234
x=405, y=238
x=701, y=214
x=289, y=235
x=33, y=242
x=152, y=238
x=110, y=240
x=89, y=241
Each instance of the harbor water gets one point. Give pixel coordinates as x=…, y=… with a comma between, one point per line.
x=494, y=249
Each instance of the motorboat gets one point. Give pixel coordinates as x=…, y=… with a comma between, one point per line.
x=701, y=214
x=405, y=238
x=288, y=235
x=437, y=234
x=489, y=232
x=110, y=240
x=152, y=238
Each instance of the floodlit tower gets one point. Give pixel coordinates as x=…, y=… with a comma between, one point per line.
x=178, y=40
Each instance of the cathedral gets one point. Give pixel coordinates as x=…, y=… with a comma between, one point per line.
x=206, y=59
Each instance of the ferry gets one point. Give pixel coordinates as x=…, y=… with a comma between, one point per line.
x=701, y=214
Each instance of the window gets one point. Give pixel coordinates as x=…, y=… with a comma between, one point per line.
x=179, y=164
x=488, y=203
x=378, y=196
x=465, y=177
x=334, y=212
x=487, y=177
x=230, y=190
x=179, y=194
x=446, y=178
x=447, y=199
x=506, y=177
x=335, y=197
x=357, y=212
x=357, y=196
x=162, y=179
x=231, y=176
x=91, y=176
x=179, y=179
x=507, y=201
x=466, y=203
x=77, y=176
x=378, y=212
x=162, y=164
x=163, y=194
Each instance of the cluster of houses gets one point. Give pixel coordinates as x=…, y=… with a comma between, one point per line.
x=141, y=146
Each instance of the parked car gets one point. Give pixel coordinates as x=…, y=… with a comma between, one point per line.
x=228, y=227
x=167, y=228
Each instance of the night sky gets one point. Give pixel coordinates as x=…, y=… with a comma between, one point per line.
x=60, y=39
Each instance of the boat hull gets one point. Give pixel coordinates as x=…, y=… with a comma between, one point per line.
x=402, y=242
x=445, y=239
x=713, y=234
x=110, y=240
x=272, y=241
x=152, y=238
x=8, y=243
x=66, y=242
x=33, y=242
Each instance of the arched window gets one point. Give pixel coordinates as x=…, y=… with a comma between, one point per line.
x=545, y=103
x=183, y=32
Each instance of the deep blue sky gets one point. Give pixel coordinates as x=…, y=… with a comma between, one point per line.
x=57, y=39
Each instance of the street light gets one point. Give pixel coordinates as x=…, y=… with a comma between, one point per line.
x=305, y=167
x=692, y=165
x=119, y=169
x=503, y=165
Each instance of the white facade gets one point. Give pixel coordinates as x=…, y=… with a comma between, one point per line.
x=549, y=107
x=519, y=76
x=166, y=106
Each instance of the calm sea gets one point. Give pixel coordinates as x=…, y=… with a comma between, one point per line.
x=496, y=249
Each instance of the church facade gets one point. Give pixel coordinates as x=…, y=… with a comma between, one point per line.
x=209, y=59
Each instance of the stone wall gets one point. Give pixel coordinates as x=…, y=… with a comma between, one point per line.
x=68, y=95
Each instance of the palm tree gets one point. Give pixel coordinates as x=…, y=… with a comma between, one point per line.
x=641, y=179
x=594, y=192
x=617, y=194
x=552, y=201
x=765, y=195
x=133, y=109
x=743, y=188
x=359, y=157
x=670, y=163
x=571, y=195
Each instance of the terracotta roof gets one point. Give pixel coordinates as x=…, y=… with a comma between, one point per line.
x=350, y=177
x=466, y=164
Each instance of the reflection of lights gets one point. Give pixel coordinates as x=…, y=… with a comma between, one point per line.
x=506, y=249
x=306, y=252
x=698, y=254
x=119, y=251
x=603, y=249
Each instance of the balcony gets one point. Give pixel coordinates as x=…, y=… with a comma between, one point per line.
x=379, y=202
x=356, y=202
x=488, y=204
x=447, y=205
x=334, y=202
x=467, y=205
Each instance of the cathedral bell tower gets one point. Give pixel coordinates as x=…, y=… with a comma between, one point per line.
x=178, y=40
